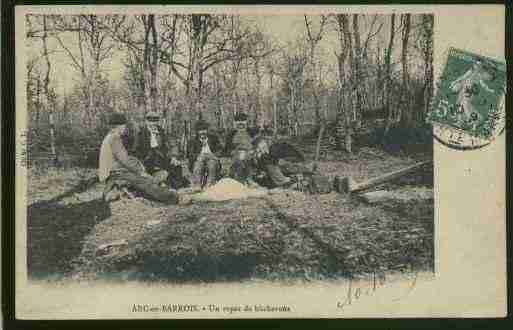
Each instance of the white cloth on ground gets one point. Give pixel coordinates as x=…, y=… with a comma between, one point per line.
x=228, y=189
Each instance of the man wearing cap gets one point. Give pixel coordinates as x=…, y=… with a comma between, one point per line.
x=159, y=156
x=118, y=170
x=204, y=156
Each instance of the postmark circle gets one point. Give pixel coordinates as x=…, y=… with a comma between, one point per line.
x=467, y=111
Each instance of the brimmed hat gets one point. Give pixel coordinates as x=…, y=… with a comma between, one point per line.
x=152, y=116
x=201, y=125
x=117, y=118
x=240, y=117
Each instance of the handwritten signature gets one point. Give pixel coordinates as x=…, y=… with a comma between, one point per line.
x=367, y=288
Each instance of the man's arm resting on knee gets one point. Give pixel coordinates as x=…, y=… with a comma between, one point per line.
x=121, y=155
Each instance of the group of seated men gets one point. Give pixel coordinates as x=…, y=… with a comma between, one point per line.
x=145, y=161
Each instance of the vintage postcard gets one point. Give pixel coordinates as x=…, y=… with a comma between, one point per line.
x=260, y=162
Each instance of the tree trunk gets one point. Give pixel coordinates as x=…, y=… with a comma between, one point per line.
x=258, y=87
x=199, y=26
x=326, y=106
x=150, y=63
x=356, y=64
x=313, y=40
x=427, y=20
x=38, y=100
x=146, y=64
x=154, y=68
x=388, y=78
x=274, y=108
x=49, y=104
x=290, y=120
x=346, y=49
x=275, y=118
x=219, y=107
x=379, y=80
x=406, y=111
x=317, y=103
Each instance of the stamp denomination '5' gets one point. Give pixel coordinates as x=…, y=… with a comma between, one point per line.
x=468, y=109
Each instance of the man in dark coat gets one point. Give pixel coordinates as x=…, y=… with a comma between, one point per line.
x=158, y=154
x=267, y=163
x=239, y=147
x=242, y=168
x=205, y=150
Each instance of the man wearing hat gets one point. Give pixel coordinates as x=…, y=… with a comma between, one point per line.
x=204, y=156
x=267, y=163
x=159, y=156
x=239, y=146
x=242, y=168
x=118, y=170
x=240, y=135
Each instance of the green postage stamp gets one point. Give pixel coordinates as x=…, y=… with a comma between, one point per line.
x=468, y=109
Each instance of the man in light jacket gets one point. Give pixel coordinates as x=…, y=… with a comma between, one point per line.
x=119, y=170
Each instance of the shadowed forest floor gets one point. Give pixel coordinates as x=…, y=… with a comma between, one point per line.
x=72, y=233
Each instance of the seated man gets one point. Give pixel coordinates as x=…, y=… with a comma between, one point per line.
x=117, y=169
x=272, y=175
x=204, y=156
x=240, y=135
x=159, y=156
x=242, y=168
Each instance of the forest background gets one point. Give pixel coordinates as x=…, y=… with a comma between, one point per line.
x=356, y=74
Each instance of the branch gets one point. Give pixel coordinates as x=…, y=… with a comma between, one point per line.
x=370, y=34
x=318, y=37
x=219, y=60
x=75, y=61
x=180, y=76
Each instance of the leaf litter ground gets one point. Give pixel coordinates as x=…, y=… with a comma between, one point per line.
x=291, y=235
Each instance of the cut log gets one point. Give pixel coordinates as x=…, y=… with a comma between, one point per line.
x=111, y=247
x=349, y=185
x=376, y=196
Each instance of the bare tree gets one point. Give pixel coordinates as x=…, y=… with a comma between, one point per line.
x=150, y=41
x=427, y=52
x=295, y=83
x=47, y=101
x=366, y=93
x=388, y=77
x=218, y=86
x=345, y=53
x=50, y=101
x=272, y=74
x=151, y=56
x=33, y=89
x=406, y=112
x=258, y=86
x=203, y=52
x=313, y=40
x=94, y=47
x=356, y=71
